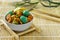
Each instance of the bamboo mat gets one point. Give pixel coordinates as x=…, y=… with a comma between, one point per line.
x=50, y=30
x=6, y=33
x=3, y=31
x=48, y=27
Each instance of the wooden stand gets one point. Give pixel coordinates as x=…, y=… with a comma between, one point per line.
x=32, y=28
x=6, y=33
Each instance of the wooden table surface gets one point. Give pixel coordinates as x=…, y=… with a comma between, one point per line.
x=50, y=29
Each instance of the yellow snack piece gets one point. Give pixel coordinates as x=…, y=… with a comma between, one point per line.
x=13, y=16
x=21, y=22
x=20, y=9
x=18, y=13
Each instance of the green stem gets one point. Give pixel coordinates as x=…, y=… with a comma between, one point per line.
x=49, y=6
x=54, y=2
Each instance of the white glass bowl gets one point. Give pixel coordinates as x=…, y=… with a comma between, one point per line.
x=21, y=27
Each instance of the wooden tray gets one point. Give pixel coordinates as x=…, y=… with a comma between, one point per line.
x=6, y=33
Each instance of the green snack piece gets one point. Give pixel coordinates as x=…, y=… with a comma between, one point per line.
x=15, y=22
x=23, y=19
x=10, y=12
x=26, y=13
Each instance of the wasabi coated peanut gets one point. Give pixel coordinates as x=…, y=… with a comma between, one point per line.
x=23, y=19
x=26, y=13
x=10, y=12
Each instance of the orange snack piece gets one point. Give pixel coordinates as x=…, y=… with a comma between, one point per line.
x=30, y=18
x=8, y=17
x=17, y=19
x=13, y=16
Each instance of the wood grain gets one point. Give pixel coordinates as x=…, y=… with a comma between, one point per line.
x=6, y=32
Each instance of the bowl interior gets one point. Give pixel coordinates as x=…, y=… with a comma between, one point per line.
x=17, y=24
